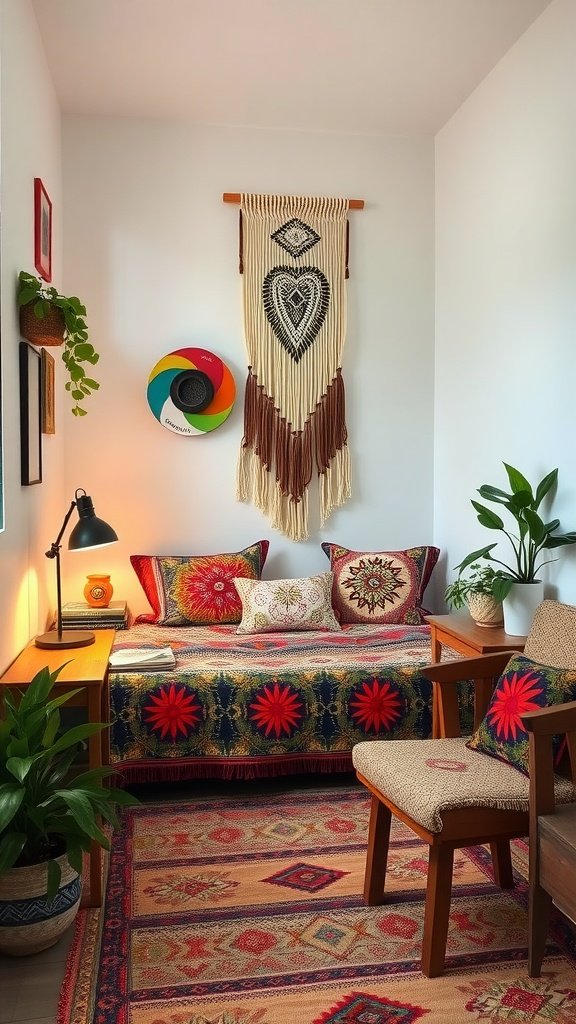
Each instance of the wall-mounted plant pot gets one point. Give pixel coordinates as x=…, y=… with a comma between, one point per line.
x=45, y=331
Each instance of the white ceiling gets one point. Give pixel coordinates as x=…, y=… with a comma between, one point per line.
x=369, y=66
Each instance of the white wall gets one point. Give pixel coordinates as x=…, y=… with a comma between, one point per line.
x=152, y=251
x=30, y=147
x=506, y=289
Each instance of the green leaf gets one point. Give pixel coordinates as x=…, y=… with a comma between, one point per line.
x=19, y=767
x=74, y=855
x=78, y=395
x=488, y=518
x=54, y=877
x=39, y=309
x=502, y=587
x=81, y=810
x=518, y=482
x=78, y=411
x=11, y=797
x=544, y=486
x=494, y=494
x=11, y=846
x=561, y=540
x=481, y=553
x=27, y=295
x=535, y=526
x=91, y=383
x=77, y=735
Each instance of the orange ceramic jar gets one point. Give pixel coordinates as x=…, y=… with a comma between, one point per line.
x=98, y=590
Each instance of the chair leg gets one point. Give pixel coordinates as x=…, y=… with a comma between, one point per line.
x=377, y=853
x=502, y=863
x=539, y=910
x=437, y=912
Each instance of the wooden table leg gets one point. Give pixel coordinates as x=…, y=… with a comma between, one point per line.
x=436, y=655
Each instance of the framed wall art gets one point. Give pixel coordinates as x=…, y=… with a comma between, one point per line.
x=47, y=392
x=42, y=231
x=30, y=415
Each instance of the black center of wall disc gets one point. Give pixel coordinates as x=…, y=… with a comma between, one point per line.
x=191, y=391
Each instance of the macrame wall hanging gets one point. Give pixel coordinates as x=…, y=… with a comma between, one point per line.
x=293, y=257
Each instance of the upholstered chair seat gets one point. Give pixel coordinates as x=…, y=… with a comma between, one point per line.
x=426, y=778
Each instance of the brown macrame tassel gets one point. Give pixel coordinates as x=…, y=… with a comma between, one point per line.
x=294, y=453
x=347, y=271
x=241, y=244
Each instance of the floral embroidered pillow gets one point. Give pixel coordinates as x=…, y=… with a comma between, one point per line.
x=277, y=605
x=523, y=686
x=380, y=586
x=197, y=590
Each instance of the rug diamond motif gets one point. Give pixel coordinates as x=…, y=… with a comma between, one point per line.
x=305, y=877
x=358, y=1008
x=329, y=936
x=284, y=830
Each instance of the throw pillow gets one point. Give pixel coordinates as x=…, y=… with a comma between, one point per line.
x=523, y=686
x=380, y=586
x=196, y=590
x=277, y=605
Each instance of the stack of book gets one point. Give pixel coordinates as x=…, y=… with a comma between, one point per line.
x=147, y=658
x=79, y=615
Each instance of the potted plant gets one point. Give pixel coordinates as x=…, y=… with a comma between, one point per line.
x=517, y=584
x=48, y=816
x=476, y=592
x=48, y=318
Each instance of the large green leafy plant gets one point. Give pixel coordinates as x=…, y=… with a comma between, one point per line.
x=530, y=535
x=46, y=810
x=77, y=348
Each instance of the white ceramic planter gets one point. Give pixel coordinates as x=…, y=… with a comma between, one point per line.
x=520, y=606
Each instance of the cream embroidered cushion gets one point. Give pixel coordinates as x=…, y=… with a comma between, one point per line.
x=270, y=606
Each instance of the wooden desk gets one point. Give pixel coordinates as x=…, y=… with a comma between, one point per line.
x=461, y=633
x=87, y=667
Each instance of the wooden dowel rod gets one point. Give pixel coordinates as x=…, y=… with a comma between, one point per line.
x=234, y=197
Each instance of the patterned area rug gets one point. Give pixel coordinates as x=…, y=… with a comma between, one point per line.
x=247, y=910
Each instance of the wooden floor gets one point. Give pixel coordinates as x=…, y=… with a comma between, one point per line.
x=30, y=985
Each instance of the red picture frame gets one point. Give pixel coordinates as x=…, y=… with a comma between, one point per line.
x=42, y=230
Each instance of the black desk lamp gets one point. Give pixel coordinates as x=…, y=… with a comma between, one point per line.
x=89, y=532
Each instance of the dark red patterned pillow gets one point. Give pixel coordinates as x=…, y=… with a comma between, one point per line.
x=197, y=590
x=380, y=586
x=524, y=686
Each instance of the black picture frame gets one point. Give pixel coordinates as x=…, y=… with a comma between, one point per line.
x=30, y=415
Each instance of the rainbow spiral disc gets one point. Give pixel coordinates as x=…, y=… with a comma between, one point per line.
x=191, y=391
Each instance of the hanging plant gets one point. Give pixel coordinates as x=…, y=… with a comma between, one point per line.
x=48, y=318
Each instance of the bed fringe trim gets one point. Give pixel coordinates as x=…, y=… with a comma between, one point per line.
x=266, y=768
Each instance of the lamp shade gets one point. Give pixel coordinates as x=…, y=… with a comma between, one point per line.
x=90, y=531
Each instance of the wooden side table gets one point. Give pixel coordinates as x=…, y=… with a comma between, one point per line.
x=460, y=633
x=87, y=667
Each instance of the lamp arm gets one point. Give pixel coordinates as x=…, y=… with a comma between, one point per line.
x=56, y=544
x=54, y=552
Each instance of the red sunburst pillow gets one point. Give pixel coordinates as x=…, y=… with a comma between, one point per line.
x=380, y=586
x=523, y=686
x=197, y=590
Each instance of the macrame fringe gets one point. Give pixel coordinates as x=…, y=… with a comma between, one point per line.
x=334, y=484
x=276, y=463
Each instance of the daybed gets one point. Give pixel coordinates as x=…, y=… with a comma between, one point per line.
x=262, y=705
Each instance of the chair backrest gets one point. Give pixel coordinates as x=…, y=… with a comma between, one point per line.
x=552, y=637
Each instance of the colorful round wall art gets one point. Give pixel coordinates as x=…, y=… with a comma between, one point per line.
x=191, y=391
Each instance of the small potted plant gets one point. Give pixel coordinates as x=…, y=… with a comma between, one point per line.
x=475, y=591
x=518, y=585
x=48, y=318
x=48, y=816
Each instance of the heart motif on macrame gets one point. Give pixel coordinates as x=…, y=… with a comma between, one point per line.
x=296, y=301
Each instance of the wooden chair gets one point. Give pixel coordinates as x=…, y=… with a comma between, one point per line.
x=552, y=829
x=451, y=796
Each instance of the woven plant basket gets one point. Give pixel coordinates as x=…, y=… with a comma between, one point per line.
x=28, y=923
x=46, y=331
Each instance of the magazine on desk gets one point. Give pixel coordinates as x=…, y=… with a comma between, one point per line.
x=142, y=658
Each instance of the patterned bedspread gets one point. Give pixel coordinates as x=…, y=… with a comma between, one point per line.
x=274, y=704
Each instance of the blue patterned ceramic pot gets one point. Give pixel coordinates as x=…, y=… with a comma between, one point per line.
x=28, y=923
